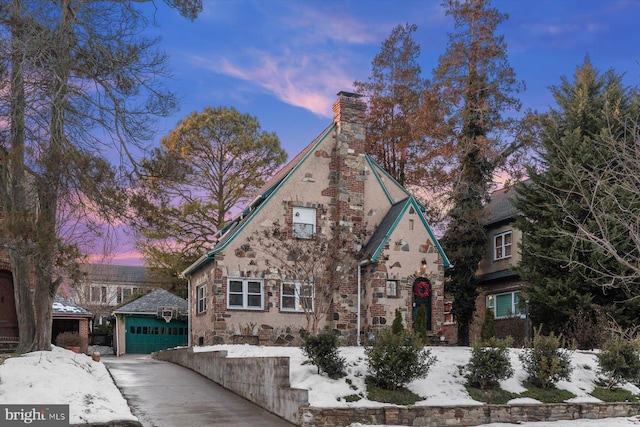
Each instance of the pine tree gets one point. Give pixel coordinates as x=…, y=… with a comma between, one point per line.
x=563, y=270
x=396, y=326
x=472, y=87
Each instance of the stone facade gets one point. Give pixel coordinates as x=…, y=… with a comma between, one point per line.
x=352, y=200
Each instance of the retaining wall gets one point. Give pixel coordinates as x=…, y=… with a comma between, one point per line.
x=262, y=380
x=461, y=416
x=265, y=381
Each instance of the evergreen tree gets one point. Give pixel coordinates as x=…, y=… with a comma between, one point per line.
x=396, y=326
x=420, y=324
x=472, y=88
x=557, y=205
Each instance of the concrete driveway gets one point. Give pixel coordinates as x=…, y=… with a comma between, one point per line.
x=162, y=394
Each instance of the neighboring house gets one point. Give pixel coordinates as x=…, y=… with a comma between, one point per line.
x=235, y=293
x=500, y=288
x=67, y=316
x=102, y=287
x=153, y=322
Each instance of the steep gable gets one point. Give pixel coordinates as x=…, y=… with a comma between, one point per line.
x=384, y=231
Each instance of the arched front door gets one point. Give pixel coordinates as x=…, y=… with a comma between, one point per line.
x=422, y=297
x=8, y=315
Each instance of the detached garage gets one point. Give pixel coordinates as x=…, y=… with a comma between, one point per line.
x=154, y=322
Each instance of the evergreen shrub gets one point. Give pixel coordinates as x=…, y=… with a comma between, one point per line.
x=322, y=351
x=618, y=362
x=489, y=363
x=393, y=360
x=546, y=362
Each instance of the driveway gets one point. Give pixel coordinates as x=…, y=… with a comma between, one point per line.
x=162, y=394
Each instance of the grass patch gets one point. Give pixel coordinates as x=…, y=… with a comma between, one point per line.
x=615, y=395
x=552, y=395
x=401, y=396
x=352, y=398
x=495, y=396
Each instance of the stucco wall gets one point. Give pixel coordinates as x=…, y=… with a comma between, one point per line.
x=262, y=380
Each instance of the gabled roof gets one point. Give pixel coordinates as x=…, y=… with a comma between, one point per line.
x=65, y=308
x=149, y=303
x=500, y=207
x=233, y=227
x=382, y=234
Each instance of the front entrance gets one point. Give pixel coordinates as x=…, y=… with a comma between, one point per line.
x=149, y=334
x=8, y=314
x=422, y=298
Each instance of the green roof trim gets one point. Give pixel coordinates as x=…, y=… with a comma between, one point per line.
x=377, y=169
x=411, y=201
x=265, y=197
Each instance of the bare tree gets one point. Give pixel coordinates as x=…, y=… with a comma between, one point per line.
x=313, y=267
x=77, y=85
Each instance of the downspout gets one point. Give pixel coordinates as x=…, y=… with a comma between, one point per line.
x=117, y=338
x=360, y=265
x=189, y=339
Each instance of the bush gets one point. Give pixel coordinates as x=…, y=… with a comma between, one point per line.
x=322, y=351
x=546, y=362
x=396, y=359
x=397, y=327
x=420, y=324
x=488, y=329
x=619, y=362
x=68, y=339
x=489, y=363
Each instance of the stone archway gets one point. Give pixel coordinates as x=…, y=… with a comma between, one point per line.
x=8, y=314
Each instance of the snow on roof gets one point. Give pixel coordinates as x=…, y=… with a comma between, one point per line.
x=63, y=306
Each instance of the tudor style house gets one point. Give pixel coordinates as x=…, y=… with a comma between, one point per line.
x=331, y=191
x=500, y=288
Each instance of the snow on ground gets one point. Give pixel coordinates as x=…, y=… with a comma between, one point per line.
x=63, y=377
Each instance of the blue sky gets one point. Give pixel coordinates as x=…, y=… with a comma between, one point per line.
x=283, y=61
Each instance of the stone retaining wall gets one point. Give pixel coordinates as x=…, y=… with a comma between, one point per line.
x=265, y=381
x=262, y=380
x=462, y=416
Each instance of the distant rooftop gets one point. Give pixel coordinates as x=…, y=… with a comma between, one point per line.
x=106, y=273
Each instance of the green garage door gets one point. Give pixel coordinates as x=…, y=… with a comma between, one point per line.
x=149, y=334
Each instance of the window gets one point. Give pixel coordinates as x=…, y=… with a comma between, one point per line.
x=125, y=293
x=502, y=245
x=98, y=294
x=245, y=294
x=304, y=223
x=505, y=304
x=392, y=289
x=448, y=316
x=201, y=298
x=296, y=297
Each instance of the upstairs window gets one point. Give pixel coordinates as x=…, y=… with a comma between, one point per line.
x=247, y=294
x=304, y=223
x=296, y=297
x=98, y=294
x=201, y=298
x=502, y=245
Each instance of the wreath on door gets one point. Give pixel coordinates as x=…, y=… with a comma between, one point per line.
x=421, y=289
